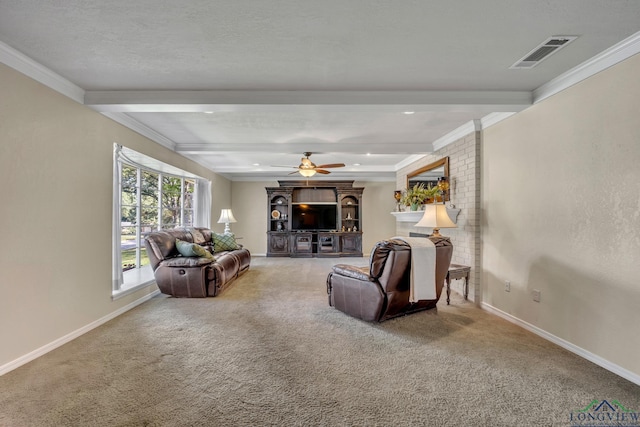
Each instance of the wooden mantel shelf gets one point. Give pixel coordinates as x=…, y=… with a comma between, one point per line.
x=415, y=216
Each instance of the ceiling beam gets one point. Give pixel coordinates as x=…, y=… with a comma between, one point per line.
x=318, y=148
x=271, y=176
x=242, y=100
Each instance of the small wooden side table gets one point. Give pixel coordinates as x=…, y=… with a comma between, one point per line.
x=457, y=271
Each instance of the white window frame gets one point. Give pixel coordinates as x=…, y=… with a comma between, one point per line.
x=131, y=280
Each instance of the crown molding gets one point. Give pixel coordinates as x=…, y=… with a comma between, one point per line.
x=409, y=160
x=27, y=66
x=493, y=118
x=143, y=130
x=456, y=134
x=615, y=54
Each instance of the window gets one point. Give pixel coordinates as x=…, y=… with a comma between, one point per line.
x=149, y=199
x=176, y=208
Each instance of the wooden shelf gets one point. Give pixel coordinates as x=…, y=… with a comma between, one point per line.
x=288, y=242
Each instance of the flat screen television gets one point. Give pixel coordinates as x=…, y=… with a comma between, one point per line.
x=314, y=217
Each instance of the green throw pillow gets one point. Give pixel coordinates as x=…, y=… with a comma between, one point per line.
x=224, y=242
x=191, y=249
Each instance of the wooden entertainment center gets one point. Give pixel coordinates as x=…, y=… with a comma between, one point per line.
x=317, y=219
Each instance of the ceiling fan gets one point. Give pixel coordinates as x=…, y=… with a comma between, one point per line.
x=307, y=168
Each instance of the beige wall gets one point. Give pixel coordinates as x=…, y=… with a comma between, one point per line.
x=464, y=173
x=56, y=213
x=250, y=208
x=249, y=200
x=377, y=205
x=561, y=214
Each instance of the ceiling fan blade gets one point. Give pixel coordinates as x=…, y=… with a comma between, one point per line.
x=331, y=165
x=292, y=173
x=322, y=171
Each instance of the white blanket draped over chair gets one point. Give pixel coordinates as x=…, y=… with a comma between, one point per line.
x=423, y=268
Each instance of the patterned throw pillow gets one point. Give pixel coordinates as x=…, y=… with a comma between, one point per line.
x=191, y=249
x=224, y=242
x=198, y=237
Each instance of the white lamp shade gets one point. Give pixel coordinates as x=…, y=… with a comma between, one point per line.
x=307, y=172
x=435, y=216
x=226, y=216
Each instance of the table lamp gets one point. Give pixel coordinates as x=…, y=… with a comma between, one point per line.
x=436, y=217
x=226, y=217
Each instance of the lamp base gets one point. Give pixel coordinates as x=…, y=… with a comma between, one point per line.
x=227, y=229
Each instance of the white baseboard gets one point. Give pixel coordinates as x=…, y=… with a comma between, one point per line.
x=610, y=366
x=73, y=335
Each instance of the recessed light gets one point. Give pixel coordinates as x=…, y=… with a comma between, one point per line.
x=256, y=164
x=208, y=112
x=409, y=112
x=368, y=154
x=356, y=164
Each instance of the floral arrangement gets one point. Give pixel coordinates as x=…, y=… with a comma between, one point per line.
x=418, y=194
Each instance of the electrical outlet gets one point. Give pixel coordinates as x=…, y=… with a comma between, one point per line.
x=536, y=295
x=507, y=286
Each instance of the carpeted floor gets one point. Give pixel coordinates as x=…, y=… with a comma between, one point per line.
x=271, y=352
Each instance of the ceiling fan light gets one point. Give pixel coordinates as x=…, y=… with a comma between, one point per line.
x=307, y=172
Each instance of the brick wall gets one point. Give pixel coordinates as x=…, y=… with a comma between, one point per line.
x=464, y=173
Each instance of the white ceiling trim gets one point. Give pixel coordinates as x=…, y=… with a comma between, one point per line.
x=208, y=100
x=493, y=118
x=27, y=66
x=409, y=160
x=462, y=131
x=361, y=176
x=615, y=54
x=202, y=163
x=114, y=103
x=251, y=147
x=456, y=134
x=143, y=130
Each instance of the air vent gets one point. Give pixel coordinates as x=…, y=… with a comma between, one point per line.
x=543, y=51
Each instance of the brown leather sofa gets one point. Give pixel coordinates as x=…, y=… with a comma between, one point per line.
x=194, y=277
x=380, y=291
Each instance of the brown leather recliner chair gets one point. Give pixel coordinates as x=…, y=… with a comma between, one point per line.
x=381, y=290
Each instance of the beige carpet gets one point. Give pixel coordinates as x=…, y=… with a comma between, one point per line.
x=271, y=352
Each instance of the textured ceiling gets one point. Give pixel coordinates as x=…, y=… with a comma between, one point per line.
x=284, y=77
